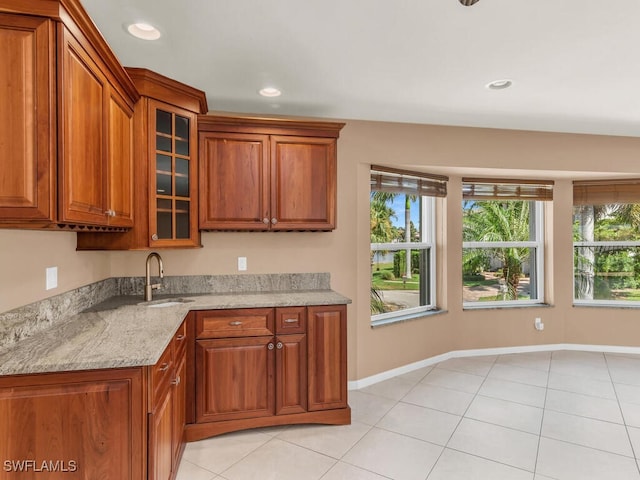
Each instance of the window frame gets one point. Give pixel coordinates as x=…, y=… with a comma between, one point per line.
x=428, y=213
x=428, y=188
x=537, y=206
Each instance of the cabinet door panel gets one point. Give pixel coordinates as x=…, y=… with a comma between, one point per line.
x=27, y=119
x=179, y=409
x=291, y=374
x=173, y=176
x=120, y=162
x=234, y=378
x=303, y=183
x=234, y=181
x=160, y=440
x=83, y=117
x=89, y=424
x=327, y=347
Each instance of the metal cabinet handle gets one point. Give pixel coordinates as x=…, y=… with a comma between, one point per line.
x=279, y=345
x=274, y=220
x=265, y=220
x=176, y=381
x=164, y=367
x=291, y=320
x=154, y=237
x=179, y=338
x=235, y=324
x=270, y=346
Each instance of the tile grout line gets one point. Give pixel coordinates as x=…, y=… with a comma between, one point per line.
x=544, y=410
x=624, y=420
x=461, y=418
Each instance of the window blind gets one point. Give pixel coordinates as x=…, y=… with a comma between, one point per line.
x=502, y=189
x=391, y=180
x=604, y=192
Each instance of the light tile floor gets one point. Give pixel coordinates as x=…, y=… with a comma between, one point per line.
x=564, y=415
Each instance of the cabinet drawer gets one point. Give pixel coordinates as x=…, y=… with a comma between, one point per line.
x=250, y=322
x=180, y=340
x=161, y=373
x=291, y=320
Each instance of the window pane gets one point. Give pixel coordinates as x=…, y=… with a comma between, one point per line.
x=163, y=122
x=607, y=273
x=601, y=223
x=394, y=287
x=498, y=274
x=497, y=221
x=607, y=264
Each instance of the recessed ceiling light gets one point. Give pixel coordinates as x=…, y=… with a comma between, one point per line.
x=144, y=31
x=499, y=84
x=270, y=92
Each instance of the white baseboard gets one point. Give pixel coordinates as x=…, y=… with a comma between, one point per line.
x=379, y=377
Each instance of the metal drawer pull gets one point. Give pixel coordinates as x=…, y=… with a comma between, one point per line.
x=270, y=346
x=235, y=324
x=279, y=345
x=164, y=367
x=176, y=381
x=180, y=338
x=291, y=320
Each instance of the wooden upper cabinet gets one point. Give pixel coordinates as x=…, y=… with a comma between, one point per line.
x=83, y=145
x=66, y=122
x=165, y=146
x=303, y=183
x=267, y=174
x=120, y=165
x=27, y=119
x=234, y=181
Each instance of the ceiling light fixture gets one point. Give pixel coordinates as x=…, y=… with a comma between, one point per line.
x=144, y=31
x=499, y=84
x=468, y=3
x=270, y=92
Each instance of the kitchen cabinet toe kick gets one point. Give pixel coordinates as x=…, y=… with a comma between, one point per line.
x=200, y=431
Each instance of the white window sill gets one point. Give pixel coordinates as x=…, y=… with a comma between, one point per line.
x=400, y=318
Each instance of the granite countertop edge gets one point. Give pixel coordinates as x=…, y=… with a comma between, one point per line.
x=124, y=332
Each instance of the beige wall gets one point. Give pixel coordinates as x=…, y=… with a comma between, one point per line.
x=344, y=253
x=24, y=256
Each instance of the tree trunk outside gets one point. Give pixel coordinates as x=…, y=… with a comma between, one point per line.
x=586, y=255
x=407, y=233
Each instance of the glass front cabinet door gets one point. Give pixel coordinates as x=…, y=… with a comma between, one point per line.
x=172, y=177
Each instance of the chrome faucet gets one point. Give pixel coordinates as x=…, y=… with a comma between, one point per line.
x=148, y=287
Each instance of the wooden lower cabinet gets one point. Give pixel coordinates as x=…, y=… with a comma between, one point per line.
x=112, y=424
x=76, y=425
x=294, y=374
x=167, y=415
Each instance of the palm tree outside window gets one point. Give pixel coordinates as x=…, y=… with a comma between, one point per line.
x=402, y=209
x=503, y=242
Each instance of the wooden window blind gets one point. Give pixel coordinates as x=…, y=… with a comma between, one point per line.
x=604, y=192
x=501, y=189
x=392, y=180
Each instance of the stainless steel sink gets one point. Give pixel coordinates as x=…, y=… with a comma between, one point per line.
x=166, y=302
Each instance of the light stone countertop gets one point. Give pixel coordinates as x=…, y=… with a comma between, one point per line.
x=122, y=331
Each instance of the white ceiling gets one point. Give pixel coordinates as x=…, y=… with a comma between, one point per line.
x=575, y=64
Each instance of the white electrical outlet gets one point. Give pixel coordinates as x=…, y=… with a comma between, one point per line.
x=242, y=264
x=538, y=324
x=52, y=277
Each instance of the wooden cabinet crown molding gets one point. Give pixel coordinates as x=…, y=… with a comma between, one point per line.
x=73, y=15
x=269, y=126
x=154, y=85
